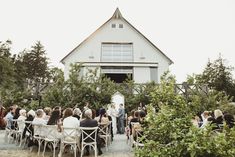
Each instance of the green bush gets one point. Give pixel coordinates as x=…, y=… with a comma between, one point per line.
x=170, y=133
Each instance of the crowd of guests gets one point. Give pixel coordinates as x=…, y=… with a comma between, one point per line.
x=69, y=117
x=216, y=119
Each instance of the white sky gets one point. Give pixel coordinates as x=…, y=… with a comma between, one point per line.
x=187, y=31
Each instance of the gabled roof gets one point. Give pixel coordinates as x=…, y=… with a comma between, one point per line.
x=117, y=15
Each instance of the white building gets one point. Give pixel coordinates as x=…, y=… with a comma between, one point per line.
x=117, y=48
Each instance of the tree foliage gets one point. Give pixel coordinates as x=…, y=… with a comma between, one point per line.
x=218, y=76
x=170, y=133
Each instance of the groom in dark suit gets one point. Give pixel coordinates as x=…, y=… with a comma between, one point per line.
x=121, y=118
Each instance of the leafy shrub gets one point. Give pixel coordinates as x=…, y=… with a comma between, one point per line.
x=170, y=133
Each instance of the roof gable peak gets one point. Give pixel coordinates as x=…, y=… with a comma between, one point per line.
x=117, y=14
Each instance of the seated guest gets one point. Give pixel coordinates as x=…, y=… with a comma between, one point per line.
x=102, y=118
x=9, y=118
x=219, y=117
x=38, y=120
x=195, y=121
x=47, y=111
x=22, y=117
x=206, y=116
x=69, y=121
x=54, y=118
x=139, y=126
x=28, y=130
x=77, y=113
x=229, y=119
x=89, y=122
x=134, y=119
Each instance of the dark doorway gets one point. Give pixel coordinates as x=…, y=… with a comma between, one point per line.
x=118, y=78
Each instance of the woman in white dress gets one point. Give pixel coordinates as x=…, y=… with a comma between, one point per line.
x=113, y=113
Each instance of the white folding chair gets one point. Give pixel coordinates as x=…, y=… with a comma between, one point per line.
x=132, y=130
x=9, y=131
x=105, y=133
x=138, y=134
x=27, y=132
x=19, y=134
x=39, y=135
x=51, y=136
x=70, y=137
x=89, y=136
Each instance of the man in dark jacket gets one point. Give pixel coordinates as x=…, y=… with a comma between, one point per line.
x=89, y=122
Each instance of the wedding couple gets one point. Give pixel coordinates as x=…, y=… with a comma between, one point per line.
x=118, y=117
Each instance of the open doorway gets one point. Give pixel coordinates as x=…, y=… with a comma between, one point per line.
x=118, y=78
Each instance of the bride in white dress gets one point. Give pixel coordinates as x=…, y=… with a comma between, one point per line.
x=113, y=113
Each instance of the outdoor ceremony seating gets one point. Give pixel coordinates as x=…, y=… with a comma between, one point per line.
x=27, y=134
x=11, y=133
x=70, y=137
x=39, y=135
x=138, y=134
x=89, y=138
x=105, y=133
x=131, y=138
x=52, y=136
x=19, y=131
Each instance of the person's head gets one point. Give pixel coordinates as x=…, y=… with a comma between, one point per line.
x=23, y=112
x=218, y=113
x=57, y=108
x=11, y=109
x=102, y=112
x=47, y=111
x=77, y=112
x=132, y=113
x=17, y=112
x=137, y=114
x=39, y=113
x=88, y=114
x=206, y=114
x=142, y=114
x=67, y=113
x=31, y=113
x=55, y=116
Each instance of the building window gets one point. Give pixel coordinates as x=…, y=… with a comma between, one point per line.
x=113, y=25
x=120, y=25
x=153, y=74
x=117, y=52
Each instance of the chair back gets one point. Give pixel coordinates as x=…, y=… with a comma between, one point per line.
x=9, y=124
x=89, y=134
x=70, y=134
x=29, y=128
x=104, y=128
x=21, y=125
x=39, y=130
x=51, y=132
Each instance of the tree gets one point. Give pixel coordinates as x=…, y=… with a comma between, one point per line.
x=56, y=93
x=37, y=71
x=218, y=76
x=6, y=65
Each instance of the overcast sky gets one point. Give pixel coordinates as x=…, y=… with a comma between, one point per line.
x=187, y=31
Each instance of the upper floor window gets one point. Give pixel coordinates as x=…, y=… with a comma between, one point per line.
x=113, y=25
x=117, y=52
x=120, y=25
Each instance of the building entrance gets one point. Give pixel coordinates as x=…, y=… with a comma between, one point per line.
x=118, y=78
